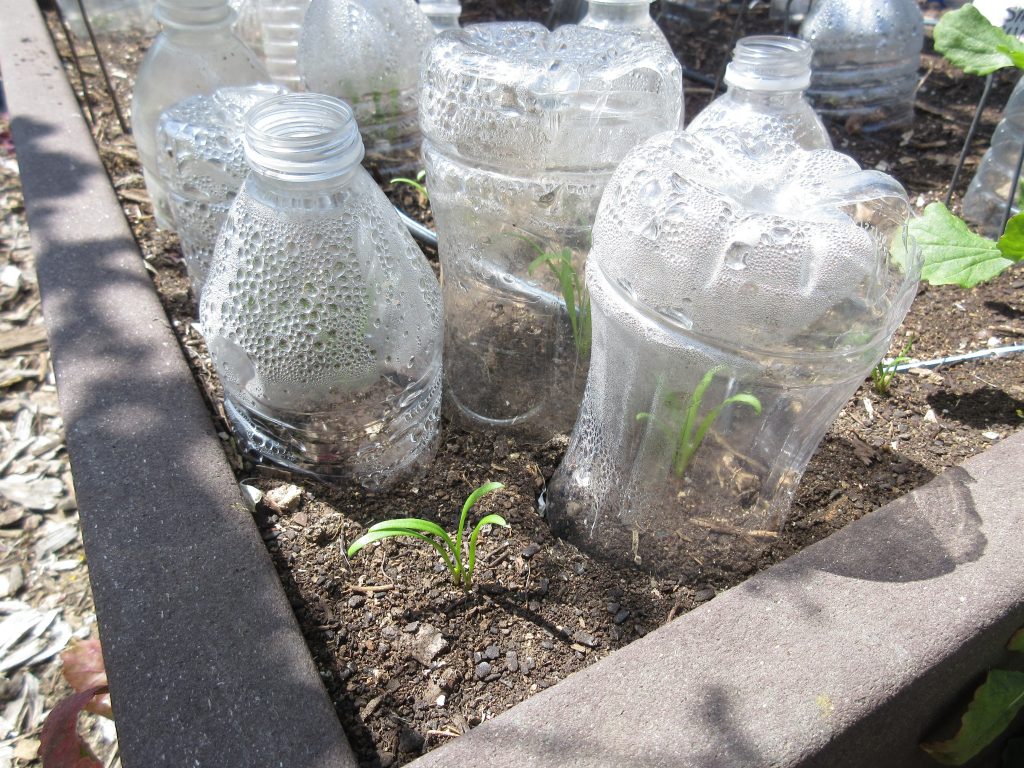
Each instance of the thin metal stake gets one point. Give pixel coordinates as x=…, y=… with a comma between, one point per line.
x=1012, y=197
x=732, y=44
x=970, y=138
x=103, y=69
x=78, y=65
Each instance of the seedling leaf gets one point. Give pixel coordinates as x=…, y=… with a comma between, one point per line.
x=951, y=253
x=60, y=746
x=995, y=704
x=1011, y=244
x=484, y=521
x=974, y=44
x=415, y=523
x=396, y=532
x=1016, y=643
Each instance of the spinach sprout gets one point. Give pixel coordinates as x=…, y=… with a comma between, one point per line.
x=435, y=536
x=883, y=373
x=690, y=433
x=416, y=183
x=574, y=290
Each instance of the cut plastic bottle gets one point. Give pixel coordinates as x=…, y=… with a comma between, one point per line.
x=522, y=130
x=738, y=302
x=196, y=52
x=866, y=57
x=368, y=53
x=322, y=317
x=202, y=164
x=985, y=201
x=764, y=110
x=281, y=26
x=624, y=16
x=443, y=15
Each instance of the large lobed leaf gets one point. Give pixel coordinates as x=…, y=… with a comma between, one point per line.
x=994, y=706
x=974, y=44
x=952, y=254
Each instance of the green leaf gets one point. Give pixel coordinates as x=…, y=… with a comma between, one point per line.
x=1011, y=244
x=951, y=253
x=995, y=704
x=974, y=44
x=1016, y=643
x=474, y=497
x=391, y=533
x=415, y=523
x=484, y=521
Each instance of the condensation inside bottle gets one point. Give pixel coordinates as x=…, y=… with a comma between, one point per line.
x=738, y=301
x=522, y=128
x=368, y=53
x=866, y=57
x=322, y=317
x=202, y=164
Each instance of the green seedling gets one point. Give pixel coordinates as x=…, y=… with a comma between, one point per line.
x=416, y=184
x=994, y=707
x=690, y=433
x=574, y=290
x=883, y=373
x=435, y=536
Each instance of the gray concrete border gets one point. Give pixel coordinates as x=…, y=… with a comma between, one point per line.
x=844, y=655
x=206, y=662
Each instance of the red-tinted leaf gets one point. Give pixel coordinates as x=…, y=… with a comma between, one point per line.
x=84, y=669
x=60, y=746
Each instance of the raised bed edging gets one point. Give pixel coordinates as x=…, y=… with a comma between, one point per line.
x=841, y=656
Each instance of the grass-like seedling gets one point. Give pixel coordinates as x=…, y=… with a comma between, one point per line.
x=682, y=421
x=574, y=290
x=883, y=373
x=416, y=184
x=435, y=536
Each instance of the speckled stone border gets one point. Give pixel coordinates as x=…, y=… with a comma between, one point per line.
x=842, y=656
x=206, y=662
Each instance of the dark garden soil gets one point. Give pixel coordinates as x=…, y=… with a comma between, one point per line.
x=411, y=661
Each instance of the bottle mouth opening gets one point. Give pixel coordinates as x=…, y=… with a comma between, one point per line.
x=302, y=137
x=192, y=13
x=770, y=63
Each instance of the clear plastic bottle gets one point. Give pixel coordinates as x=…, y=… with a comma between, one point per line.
x=985, y=201
x=796, y=10
x=866, y=57
x=368, y=53
x=322, y=316
x=196, y=52
x=202, y=164
x=522, y=130
x=281, y=24
x=624, y=16
x=764, y=110
x=443, y=14
x=738, y=302
x=689, y=11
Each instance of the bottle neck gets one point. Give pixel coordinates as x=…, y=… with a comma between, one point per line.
x=618, y=15
x=194, y=15
x=770, y=64
x=302, y=144
x=774, y=100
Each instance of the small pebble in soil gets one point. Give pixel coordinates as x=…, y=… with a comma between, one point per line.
x=491, y=652
x=426, y=644
x=620, y=616
x=703, y=595
x=511, y=661
x=531, y=550
x=585, y=638
x=284, y=498
x=355, y=601
x=613, y=607
x=483, y=669
x=412, y=626
x=547, y=645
